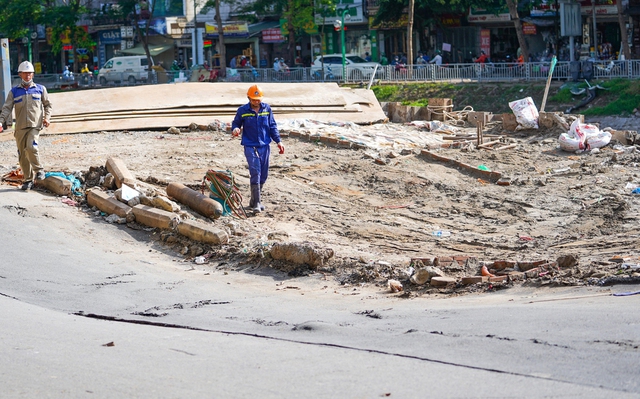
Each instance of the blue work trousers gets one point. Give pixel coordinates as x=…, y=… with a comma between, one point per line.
x=258, y=160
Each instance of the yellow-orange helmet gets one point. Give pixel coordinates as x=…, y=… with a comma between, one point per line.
x=254, y=93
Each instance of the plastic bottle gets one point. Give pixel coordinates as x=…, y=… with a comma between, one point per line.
x=441, y=233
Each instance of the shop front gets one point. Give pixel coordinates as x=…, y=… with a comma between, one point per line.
x=357, y=35
x=601, y=36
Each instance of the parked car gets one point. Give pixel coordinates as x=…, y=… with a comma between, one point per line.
x=124, y=69
x=356, y=66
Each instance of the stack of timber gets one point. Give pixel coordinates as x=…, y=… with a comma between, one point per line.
x=180, y=104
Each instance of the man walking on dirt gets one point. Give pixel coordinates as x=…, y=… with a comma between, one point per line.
x=33, y=111
x=258, y=127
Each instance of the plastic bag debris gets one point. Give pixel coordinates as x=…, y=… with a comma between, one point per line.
x=394, y=285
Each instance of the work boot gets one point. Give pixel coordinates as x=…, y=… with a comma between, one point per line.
x=254, y=204
x=261, y=206
x=27, y=186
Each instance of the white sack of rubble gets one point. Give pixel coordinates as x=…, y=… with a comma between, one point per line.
x=301, y=253
x=583, y=136
x=526, y=113
x=598, y=140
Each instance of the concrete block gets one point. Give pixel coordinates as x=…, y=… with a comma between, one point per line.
x=119, y=170
x=154, y=217
x=467, y=280
x=515, y=276
x=503, y=264
x=442, y=281
x=420, y=114
x=438, y=107
x=546, y=119
x=524, y=266
x=202, y=233
x=509, y=122
x=199, y=202
x=475, y=117
x=108, y=204
x=57, y=185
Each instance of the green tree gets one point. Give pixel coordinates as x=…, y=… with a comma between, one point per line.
x=18, y=17
x=298, y=14
x=215, y=4
x=63, y=20
x=139, y=12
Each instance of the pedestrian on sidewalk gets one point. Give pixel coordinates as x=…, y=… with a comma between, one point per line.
x=255, y=122
x=33, y=112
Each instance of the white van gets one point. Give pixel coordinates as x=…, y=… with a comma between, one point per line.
x=124, y=69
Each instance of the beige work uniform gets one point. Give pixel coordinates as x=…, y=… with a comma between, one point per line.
x=32, y=107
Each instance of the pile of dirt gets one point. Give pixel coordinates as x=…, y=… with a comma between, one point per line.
x=378, y=210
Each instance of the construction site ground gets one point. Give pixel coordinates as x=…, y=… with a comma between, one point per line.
x=561, y=218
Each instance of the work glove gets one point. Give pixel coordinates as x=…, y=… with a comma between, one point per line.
x=281, y=148
x=236, y=132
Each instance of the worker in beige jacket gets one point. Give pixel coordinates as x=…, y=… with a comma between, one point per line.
x=33, y=112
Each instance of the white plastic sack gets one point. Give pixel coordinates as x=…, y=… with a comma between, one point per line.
x=569, y=142
x=598, y=140
x=526, y=113
x=583, y=136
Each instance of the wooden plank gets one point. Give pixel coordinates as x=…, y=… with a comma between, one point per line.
x=178, y=114
x=192, y=94
x=161, y=122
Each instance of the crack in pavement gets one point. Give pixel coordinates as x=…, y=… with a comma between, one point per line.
x=329, y=345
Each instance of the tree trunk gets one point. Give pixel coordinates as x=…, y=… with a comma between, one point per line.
x=221, y=45
x=623, y=31
x=412, y=4
x=513, y=11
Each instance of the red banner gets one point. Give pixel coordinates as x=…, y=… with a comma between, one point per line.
x=529, y=29
x=273, y=35
x=485, y=41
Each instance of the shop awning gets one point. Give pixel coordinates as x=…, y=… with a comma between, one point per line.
x=154, y=49
x=256, y=29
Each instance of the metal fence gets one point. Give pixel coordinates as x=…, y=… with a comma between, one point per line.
x=456, y=73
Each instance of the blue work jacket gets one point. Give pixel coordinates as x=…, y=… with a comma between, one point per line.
x=258, y=128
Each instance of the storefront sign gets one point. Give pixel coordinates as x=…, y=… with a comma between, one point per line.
x=451, y=20
x=109, y=36
x=354, y=13
x=401, y=23
x=610, y=8
x=479, y=15
x=546, y=8
x=240, y=29
x=528, y=28
x=485, y=41
x=273, y=35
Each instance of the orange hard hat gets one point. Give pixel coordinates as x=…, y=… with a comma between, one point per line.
x=254, y=93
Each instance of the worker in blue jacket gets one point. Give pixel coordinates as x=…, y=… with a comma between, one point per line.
x=255, y=122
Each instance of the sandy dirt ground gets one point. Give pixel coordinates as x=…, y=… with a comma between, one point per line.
x=564, y=219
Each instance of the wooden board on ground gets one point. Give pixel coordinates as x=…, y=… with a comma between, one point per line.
x=181, y=104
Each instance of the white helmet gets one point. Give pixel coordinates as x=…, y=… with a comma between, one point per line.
x=26, y=66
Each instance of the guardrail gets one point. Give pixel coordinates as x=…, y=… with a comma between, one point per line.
x=488, y=72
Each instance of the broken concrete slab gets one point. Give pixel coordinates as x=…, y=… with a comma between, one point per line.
x=57, y=185
x=301, y=253
x=154, y=217
x=109, y=204
x=202, y=233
